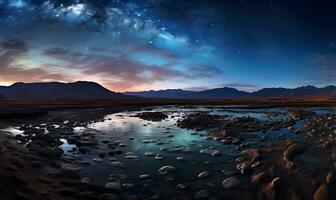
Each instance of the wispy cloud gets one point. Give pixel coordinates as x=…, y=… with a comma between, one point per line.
x=11, y=70
x=123, y=73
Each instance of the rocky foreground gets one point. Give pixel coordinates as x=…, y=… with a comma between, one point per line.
x=298, y=165
x=279, y=168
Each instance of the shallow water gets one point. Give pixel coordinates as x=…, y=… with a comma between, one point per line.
x=165, y=139
x=120, y=127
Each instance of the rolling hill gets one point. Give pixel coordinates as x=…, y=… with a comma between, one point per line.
x=57, y=90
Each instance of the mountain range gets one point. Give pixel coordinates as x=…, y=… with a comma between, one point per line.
x=225, y=92
x=92, y=90
x=57, y=90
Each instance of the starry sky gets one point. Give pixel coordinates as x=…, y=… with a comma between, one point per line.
x=133, y=45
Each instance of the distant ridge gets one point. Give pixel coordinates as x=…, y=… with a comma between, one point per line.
x=57, y=90
x=305, y=91
x=186, y=94
x=93, y=90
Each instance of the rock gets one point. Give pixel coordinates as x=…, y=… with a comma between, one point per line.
x=201, y=194
x=98, y=160
x=270, y=189
x=167, y=169
x=322, y=193
x=255, y=164
x=132, y=157
x=181, y=158
x=211, y=152
x=181, y=186
x=71, y=167
x=243, y=168
x=204, y=174
x=85, y=180
x=127, y=186
x=155, y=196
x=116, y=164
x=330, y=178
x=145, y=176
x=85, y=195
x=108, y=196
x=296, y=196
x=158, y=158
x=113, y=186
x=289, y=154
x=259, y=178
x=149, y=154
x=255, y=154
x=230, y=183
x=20, y=196
x=152, y=116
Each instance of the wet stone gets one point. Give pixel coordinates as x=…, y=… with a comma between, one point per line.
x=167, y=169
x=113, y=186
x=204, y=174
x=145, y=176
x=201, y=194
x=230, y=183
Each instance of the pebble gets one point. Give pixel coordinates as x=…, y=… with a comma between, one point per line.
x=201, y=194
x=204, y=174
x=145, y=176
x=128, y=186
x=181, y=158
x=98, y=160
x=230, y=183
x=149, y=154
x=116, y=164
x=158, y=158
x=113, y=186
x=211, y=152
x=181, y=186
x=132, y=157
x=85, y=180
x=167, y=168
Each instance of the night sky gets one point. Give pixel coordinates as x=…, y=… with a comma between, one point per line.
x=132, y=45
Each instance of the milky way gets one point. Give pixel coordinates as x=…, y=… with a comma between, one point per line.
x=141, y=45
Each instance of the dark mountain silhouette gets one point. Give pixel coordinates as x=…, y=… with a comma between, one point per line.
x=306, y=91
x=224, y=92
x=185, y=94
x=166, y=94
x=91, y=90
x=57, y=90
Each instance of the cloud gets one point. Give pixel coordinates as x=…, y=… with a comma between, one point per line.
x=123, y=50
x=14, y=45
x=202, y=71
x=120, y=73
x=10, y=70
x=124, y=73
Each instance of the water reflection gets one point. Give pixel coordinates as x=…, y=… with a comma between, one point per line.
x=13, y=131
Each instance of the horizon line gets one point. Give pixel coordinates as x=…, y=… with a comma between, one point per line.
x=184, y=89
